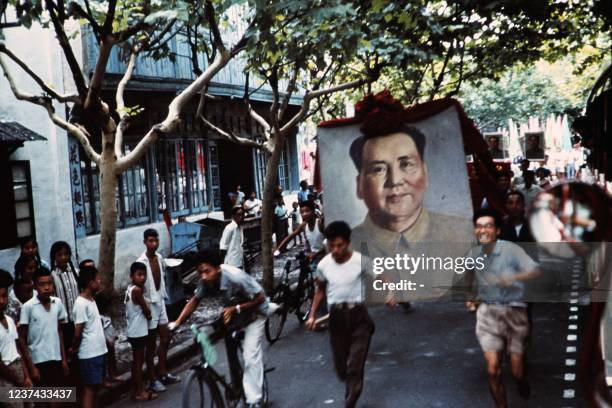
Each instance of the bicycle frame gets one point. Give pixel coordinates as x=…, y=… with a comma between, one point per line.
x=233, y=389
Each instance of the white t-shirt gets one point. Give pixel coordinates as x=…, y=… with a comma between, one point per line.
x=344, y=281
x=43, y=337
x=231, y=241
x=8, y=336
x=252, y=207
x=93, y=342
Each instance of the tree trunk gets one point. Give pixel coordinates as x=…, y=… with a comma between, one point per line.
x=108, y=215
x=267, y=212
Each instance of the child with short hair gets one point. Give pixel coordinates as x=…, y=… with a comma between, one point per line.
x=109, y=333
x=296, y=220
x=22, y=292
x=13, y=371
x=89, y=341
x=138, y=315
x=41, y=339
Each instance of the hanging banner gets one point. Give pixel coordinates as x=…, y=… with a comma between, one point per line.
x=78, y=206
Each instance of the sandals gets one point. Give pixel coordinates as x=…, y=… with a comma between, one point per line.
x=148, y=396
x=109, y=382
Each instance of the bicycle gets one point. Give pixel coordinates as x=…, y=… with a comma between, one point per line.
x=296, y=298
x=203, y=383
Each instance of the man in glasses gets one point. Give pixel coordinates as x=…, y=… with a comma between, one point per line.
x=502, y=323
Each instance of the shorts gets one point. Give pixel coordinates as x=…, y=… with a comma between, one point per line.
x=92, y=370
x=138, y=343
x=159, y=317
x=500, y=327
x=51, y=374
x=17, y=370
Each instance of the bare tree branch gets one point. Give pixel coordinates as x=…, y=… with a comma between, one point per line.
x=193, y=48
x=125, y=35
x=252, y=113
x=75, y=9
x=229, y=135
x=289, y=90
x=110, y=16
x=174, y=110
x=157, y=40
x=124, y=115
x=273, y=81
x=46, y=102
x=45, y=87
x=213, y=26
x=64, y=43
x=95, y=86
x=440, y=78
x=298, y=117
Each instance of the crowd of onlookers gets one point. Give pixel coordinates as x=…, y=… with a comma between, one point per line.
x=52, y=333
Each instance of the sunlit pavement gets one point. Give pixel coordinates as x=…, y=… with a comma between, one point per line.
x=427, y=358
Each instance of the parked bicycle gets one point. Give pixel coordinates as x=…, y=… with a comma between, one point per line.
x=291, y=298
x=204, y=383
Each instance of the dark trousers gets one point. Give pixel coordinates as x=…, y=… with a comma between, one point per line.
x=350, y=331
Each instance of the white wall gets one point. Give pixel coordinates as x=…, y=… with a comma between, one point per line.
x=48, y=159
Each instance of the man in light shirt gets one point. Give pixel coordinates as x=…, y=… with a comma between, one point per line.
x=232, y=239
x=339, y=277
x=252, y=206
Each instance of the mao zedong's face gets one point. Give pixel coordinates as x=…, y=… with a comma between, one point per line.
x=493, y=143
x=393, y=179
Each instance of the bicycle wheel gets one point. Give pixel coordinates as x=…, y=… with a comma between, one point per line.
x=276, y=321
x=305, y=298
x=201, y=392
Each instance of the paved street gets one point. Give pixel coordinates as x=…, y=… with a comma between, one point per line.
x=428, y=358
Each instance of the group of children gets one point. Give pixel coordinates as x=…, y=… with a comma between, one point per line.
x=51, y=327
x=39, y=335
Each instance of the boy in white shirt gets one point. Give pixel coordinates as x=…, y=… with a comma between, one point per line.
x=13, y=371
x=156, y=295
x=89, y=340
x=138, y=314
x=41, y=339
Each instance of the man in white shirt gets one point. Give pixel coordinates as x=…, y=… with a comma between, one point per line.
x=232, y=239
x=529, y=189
x=339, y=278
x=252, y=206
x=155, y=294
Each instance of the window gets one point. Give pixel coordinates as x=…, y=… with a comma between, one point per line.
x=283, y=169
x=134, y=195
x=181, y=176
x=260, y=160
x=17, y=210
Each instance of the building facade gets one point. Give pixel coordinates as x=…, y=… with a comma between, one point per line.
x=186, y=174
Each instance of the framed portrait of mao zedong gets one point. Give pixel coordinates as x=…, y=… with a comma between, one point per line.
x=402, y=185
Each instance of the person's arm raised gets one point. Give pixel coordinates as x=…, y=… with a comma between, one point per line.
x=185, y=313
x=289, y=238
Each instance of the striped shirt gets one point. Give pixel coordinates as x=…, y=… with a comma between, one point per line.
x=66, y=287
